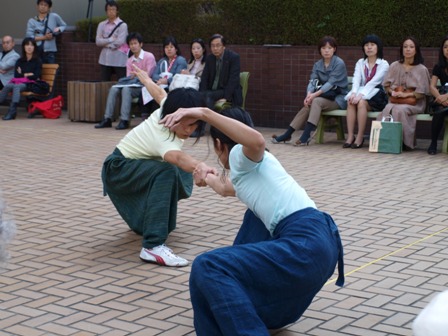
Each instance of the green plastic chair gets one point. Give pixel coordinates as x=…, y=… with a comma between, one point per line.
x=244, y=82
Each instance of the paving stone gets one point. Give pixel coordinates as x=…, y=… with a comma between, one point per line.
x=74, y=267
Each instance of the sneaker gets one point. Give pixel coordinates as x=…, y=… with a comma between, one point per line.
x=163, y=256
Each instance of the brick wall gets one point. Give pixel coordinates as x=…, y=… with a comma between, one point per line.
x=278, y=74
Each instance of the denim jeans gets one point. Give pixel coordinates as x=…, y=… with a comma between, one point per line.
x=264, y=282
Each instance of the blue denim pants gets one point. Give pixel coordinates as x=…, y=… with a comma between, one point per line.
x=265, y=282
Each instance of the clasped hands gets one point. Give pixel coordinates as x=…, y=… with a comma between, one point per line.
x=442, y=99
x=201, y=172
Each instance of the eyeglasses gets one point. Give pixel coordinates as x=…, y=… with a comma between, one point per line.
x=216, y=46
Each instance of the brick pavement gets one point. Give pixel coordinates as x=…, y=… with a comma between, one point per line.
x=75, y=268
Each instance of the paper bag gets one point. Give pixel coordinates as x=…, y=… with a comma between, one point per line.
x=386, y=137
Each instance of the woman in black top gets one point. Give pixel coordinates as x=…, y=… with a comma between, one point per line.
x=28, y=68
x=440, y=109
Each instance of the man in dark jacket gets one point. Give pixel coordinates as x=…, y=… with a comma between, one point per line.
x=220, y=79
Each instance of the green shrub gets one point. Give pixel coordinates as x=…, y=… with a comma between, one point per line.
x=296, y=22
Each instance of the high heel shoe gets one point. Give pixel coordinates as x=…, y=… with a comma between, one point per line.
x=356, y=146
x=349, y=144
x=275, y=141
x=300, y=143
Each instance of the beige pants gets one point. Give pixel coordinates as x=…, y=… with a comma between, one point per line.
x=312, y=113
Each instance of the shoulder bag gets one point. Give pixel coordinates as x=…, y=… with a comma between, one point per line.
x=408, y=100
x=184, y=81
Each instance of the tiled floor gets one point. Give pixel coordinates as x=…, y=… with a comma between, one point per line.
x=74, y=267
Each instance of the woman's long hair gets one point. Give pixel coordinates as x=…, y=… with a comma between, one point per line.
x=201, y=42
x=184, y=98
x=236, y=113
x=418, y=58
x=443, y=62
x=27, y=41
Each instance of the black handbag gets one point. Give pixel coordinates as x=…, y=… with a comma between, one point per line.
x=38, y=87
x=436, y=107
x=330, y=94
x=379, y=101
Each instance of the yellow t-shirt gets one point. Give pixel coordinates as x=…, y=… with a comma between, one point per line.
x=150, y=140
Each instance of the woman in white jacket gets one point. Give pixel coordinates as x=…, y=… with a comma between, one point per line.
x=367, y=93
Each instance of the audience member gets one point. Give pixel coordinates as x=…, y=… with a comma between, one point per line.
x=325, y=92
x=285, y=251
x=220, y=80
x=8, y=60
x=28, y=67
x=148, y=173
x=367, y=91
x=143, y=60
x=44, y=28
x=407, y=73
x=440, y=105
x=197, y=58
x=111, y=36
x=170, y=64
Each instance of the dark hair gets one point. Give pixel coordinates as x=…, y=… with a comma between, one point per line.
x=372, y=38
x=443, y=62
x=183, y=97
x=418, y=58
x=134, y=36
x=236, y=113
x=111, y=3
x=201, y=42
x=167, y=41
x=26, y=41
x=217, y=36
x=48, y=2
x=327, y=39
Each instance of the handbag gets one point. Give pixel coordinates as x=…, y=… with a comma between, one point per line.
x=184, y=81
x=39, y=87
x=379, y=101
x=386, y=136
x=408, y=100
x=436, y=107
x=330, y=94
x=51, y=109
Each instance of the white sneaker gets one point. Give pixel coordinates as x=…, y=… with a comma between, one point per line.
x=163, y=256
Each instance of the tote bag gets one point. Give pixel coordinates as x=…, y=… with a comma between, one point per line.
x=386, y=136
x=184, y=81
x=50, y=109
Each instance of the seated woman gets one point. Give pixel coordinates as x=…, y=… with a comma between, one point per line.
x=28, y=68
x=439, y=72
x=285, y=250
x=408, y=73
x=325, y=92
x=197, y=58
x=367, y=91
x=170, y=64
x=147, y=173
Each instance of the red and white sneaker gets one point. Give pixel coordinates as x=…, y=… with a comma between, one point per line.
x=163, y=256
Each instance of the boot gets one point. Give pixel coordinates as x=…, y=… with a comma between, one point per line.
x=106, y=122
x=12, y=112
x=124, y=124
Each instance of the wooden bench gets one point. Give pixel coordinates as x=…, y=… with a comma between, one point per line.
x=338, y=114
x=49, y=72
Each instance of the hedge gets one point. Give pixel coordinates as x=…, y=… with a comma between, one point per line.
x=295, y=22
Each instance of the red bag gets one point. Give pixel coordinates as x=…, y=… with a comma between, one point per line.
x=51, y=109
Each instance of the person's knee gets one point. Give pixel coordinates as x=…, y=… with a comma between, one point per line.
x=201, y=268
